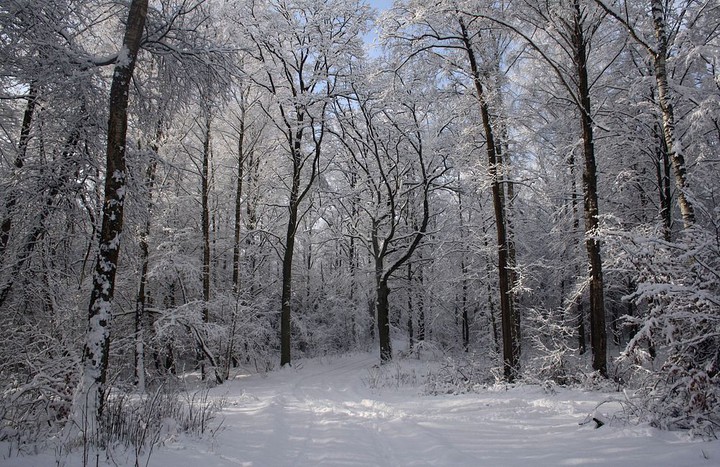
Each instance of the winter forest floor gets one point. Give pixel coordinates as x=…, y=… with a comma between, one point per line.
x=343, y=411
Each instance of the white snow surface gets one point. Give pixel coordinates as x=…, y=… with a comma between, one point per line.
x=327, y=412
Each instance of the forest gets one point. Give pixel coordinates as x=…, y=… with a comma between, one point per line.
x=530, y=189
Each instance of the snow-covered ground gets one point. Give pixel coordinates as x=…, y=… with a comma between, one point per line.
x=338, y=412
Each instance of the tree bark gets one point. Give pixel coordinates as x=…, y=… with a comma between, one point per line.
x=293, y=207
x=464, y=317
x=90, y=394
x=598, y=333
x=578, y=301
x=659, y=56
x=662, y=171
x=238, y=199
x=383, y=317
x=204, y=352
x=411, y=330
x=141, y=300
x=674, y=150
x=510, y=360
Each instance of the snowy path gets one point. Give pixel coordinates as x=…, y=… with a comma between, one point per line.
x=325, y=415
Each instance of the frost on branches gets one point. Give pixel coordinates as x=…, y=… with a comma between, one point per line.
x=679, y=334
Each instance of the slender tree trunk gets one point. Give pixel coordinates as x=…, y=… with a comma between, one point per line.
x=465, y=320
x=464, y=308
x=205, y=226
x=204, y=353
x=421, y=305
x=659, y=57
x=578, y=301
x=353, y=256
x=674, y=150
x=238, y=200
x=236, y=239
x=510, y=361
x=90, y=394
x=141, y=295
x=411, y=330
x=662, y=172
x=508, y=197
x=489, y=290
x=293, y=207
x=598, y=333
x=383, y=316
x=252, y=218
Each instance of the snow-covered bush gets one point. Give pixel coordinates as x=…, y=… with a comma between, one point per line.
x=458, y=375
x=134, y=425
x=552, y=359
x=674, y=357
x=236, y=334
x=394, y=375
x=143, y=421
x=37, y=380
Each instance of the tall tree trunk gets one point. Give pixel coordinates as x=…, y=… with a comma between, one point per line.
x=252, y=218
x=674, y=150
x=662, y=170
x=236, y=238
x=353, y=255
x=411, y=330
x=90, y=394
x=510, y=360
x=204, y=353
x=598, y=333
x=659, y=56
x=578, y=301
x=465, y=319
x=238, y=199
x=382, y=294
x=489, y=291
x=141, y=300
x=421, y=305
x=293, y=207
x=507, y=198
x=464, y=308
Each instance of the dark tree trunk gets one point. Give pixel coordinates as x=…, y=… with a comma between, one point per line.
x=465, y=319
x=236, y=239
x=464, y=307
x=238, y=200
x=411, y=330
x=598, y=333
x=510, y=360
x=383, y=316
x=293, y=207
x=382, y=293
x=421, y=306
x=353, y=255
x=141, y=300
x=90, y=395
x=204, y=353
x=578, y=301
x=662, y=170
x=205, y=226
